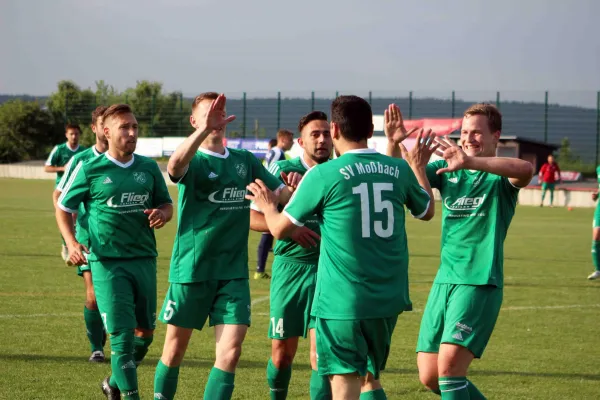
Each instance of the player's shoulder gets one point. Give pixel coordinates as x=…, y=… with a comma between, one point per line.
x=239, y=153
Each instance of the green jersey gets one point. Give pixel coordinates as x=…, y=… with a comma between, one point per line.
x=598, y=175
x=214, y=216
x=287, y=247
x=60, y=156
x=477, y=210
x=83, y=236
x=360, y=199
x=115, y=195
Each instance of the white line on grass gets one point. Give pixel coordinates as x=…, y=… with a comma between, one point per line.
x=265, y=298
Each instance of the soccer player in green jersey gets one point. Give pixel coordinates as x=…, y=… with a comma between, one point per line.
x=596, y=234
x=209, y=267
x=93, y=321
x=362, y=279
x=294, y=270
x=479, y=194
x=57, y=161
x=126, y=197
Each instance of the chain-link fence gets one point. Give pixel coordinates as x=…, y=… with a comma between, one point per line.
x=543, y=116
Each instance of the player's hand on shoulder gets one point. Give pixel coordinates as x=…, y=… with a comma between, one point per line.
x=305, y=237
x=156, y=217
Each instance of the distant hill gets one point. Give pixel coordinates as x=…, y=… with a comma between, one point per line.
x=520, y=119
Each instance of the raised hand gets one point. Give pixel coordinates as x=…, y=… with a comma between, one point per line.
x=215, y=117
x=156, y=217
x=455, y=156
x=393, y=125
x=305, y=237
x=423, y=149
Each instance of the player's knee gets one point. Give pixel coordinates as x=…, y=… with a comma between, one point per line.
x=429, y=380
x=122, y=341
x=282, y=358
x=230, y=355
x=451, y=367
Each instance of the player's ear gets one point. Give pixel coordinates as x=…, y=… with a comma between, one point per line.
x=301, y=142
x=193, y=121
x=335, y=132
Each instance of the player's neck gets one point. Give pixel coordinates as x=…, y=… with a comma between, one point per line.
x=308, y=161
x=72, y=147
x=345, y=146
x=120, y=156
x=101, y=147
x=214, y=144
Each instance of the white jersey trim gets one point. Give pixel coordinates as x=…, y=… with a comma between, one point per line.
x=66, y=209
x=73, y=150
x=361, y=151
x=426, y=208
x=294, y=220
x=212, y=153
x=48, y=161
x=119, y=163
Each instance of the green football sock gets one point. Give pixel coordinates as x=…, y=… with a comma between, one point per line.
x=474, y=393
x=320, y=387
x=94, y=328
x=278, y=380
x=122, y=363
x=378, y=394
x=140, y=348
x=165, y=381
x=596, y=254
x=454, y=388
x=543, y=195
x=219, y=385
x=551, y=196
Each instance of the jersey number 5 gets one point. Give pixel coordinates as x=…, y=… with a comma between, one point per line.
x=380, y=206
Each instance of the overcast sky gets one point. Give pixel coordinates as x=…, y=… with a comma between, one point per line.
x=521, y=47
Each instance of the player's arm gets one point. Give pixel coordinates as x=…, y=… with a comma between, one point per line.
x=558, y=172
x=74, y=192
x=519, y=172
x=162, y=211
x=51, y=163
x=215, y=120
x=258, y=223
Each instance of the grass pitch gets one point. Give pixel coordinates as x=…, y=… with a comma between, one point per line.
x=545, y=345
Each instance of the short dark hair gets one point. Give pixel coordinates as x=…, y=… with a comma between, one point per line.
x=490, y=111
x=97, y=113
x=204, y=96
x=283, y=133
x=311, y=116
x=353, y=116
x=116, y=109
x=273, y=142
x=72, y=126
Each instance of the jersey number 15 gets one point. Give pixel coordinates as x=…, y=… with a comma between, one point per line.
x=380, y=206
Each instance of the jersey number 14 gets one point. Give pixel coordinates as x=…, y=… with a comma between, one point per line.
x=379, y=206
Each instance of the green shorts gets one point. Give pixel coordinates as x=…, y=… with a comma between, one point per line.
x=596, y=223
x=292, y=291
x=548, y=186
x=459, y=314
x=353, y=346
x=188, y=305
x=125, y=293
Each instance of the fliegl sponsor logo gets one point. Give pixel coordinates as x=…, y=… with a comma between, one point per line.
x=464, y=203
x=129, y=200
x=232, y=196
